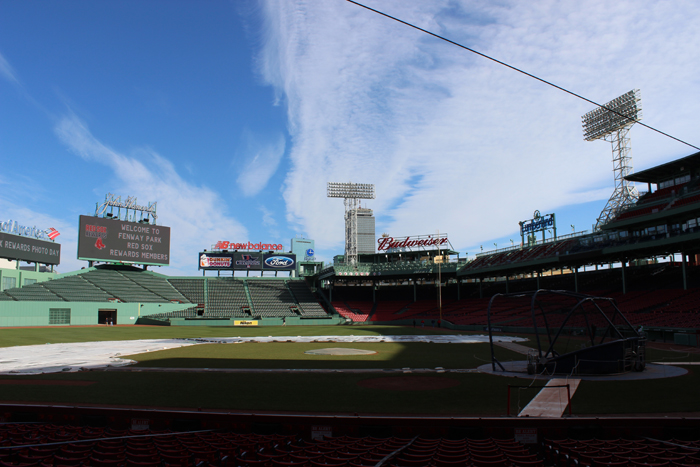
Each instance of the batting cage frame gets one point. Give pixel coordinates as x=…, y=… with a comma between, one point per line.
x=607, y=342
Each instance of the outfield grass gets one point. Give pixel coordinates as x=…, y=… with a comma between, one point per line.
x=290, y=355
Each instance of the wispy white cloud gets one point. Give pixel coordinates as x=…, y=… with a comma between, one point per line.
x=261, y=158
x=196, y=214
x=456, y=142
x=268, y=218
x=269, y=221
x=7, y=72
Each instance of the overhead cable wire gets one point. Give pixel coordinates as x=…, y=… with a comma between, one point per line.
x=520, y=71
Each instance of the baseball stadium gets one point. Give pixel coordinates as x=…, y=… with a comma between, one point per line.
x=577, y=349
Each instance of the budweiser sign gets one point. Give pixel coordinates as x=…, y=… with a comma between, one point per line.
x=389, y=243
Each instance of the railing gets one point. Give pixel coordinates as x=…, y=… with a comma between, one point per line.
x=537, y=242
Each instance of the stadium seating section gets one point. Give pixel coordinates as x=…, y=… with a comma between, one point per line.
x=212, y=297
x=654, y=300
x=621, y=452
x=52, y=446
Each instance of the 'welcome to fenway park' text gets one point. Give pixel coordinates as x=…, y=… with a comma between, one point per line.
x=140, y=242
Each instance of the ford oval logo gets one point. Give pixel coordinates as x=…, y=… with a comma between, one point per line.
x=279, y=262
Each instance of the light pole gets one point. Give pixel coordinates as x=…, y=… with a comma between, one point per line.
x=611, y=122
x=351, y=193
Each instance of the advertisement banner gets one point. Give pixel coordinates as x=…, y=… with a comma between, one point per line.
x=279, y=262
x=247, y=261
x=538, y=224
x=418, y=242
x=260, y=246
x=114, y=240
x=17, y=247
x=245, y=323
x=216, y=261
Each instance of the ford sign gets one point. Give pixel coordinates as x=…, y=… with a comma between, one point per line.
x=279, y=262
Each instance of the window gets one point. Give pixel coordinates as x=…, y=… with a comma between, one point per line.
x=9, y=283
x=682, y=179
x=29, y=281
x=59, y=315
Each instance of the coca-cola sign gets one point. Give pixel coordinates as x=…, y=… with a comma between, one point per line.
x=421, y=242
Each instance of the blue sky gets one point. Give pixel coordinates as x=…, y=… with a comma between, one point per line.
x=233, y=116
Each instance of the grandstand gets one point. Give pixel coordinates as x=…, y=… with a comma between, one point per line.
x=167, y=300
x=633, y=259
x=213, y=445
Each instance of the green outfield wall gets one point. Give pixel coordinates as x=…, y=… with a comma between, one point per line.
x=60, y=313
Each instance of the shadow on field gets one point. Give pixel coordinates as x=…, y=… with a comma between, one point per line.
x=291, y=355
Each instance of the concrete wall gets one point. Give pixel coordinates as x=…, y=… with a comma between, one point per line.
x=290, y=321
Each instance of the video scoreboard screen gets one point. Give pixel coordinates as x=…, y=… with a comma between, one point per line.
x=114, y=240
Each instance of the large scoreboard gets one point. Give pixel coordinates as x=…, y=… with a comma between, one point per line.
x=118, y=241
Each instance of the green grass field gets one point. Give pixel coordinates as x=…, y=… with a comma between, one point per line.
x=291, y=355
x=472, y=394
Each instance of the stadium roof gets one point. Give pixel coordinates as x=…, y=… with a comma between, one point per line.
x=668, y=170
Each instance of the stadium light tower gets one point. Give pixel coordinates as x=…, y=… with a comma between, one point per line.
x=351, y=193
x=612, y=122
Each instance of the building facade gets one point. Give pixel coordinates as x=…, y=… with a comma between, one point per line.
x=366, y=236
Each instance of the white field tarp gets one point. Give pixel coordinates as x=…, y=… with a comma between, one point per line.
x=53, y=358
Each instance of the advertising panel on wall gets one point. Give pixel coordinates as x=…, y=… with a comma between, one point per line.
x=216, y=261
x=114, y=240
x=279, y=262
x=17, y=247
x=248, y=260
